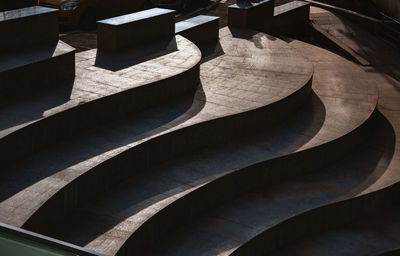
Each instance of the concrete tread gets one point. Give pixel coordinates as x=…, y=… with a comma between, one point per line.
x=199, y=168
x=93, y=83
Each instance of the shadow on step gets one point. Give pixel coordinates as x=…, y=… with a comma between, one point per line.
x=115, y=61
x=90, y=145
x=313, y=37
x=395, y=252
x=376, y=156
x=148, y=187
x=211, y=51
x=14, y=112
x=338, y=185
x=366, y=235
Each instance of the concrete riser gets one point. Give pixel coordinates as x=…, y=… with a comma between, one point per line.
x=45, y=132
x=110, y=173
x=56, y=71
x=261, y=175
x=318, y=220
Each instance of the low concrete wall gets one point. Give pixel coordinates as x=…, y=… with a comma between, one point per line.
x=390, y=7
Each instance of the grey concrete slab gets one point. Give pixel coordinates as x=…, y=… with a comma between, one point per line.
x=201, y=29
x=133, y=30
x=253, y=15
x=27, y=27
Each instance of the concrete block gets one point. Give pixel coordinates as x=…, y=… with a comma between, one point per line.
x=291, y=17
x=251, y=15
x=27, y=27
x=200, y=30
x=136, y=29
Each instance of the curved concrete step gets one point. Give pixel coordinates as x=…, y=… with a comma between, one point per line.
x=371, y=235
x=25, y=196
x=325, y=147
x=240, y=98
x=29, y=182
x=194, y=170
x=36, y=69
x=124, y=84
x=224, y=228
x=393, y=252
x=371, y=218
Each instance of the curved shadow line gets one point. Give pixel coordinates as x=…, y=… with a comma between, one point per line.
x=318, y=220
x=255, y=245
x=96, y=112
x=299, y=96
x=76, y=156
x=218, y=180
x=230, y=182
x=296, y=97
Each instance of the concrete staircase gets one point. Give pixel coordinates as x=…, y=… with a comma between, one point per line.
x=154, y=148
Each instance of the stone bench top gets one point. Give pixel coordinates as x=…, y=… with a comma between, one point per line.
x=129, y=18
x=248, y=6
x=289, y=6
x=25, y=12
x=189, y=23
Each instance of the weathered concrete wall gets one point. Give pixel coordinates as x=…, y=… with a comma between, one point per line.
x=391, y=7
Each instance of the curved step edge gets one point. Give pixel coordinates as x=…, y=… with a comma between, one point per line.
x=395, y=252
x=318, y=220
x=103, y=176
x=265, y=173
x=64, y=124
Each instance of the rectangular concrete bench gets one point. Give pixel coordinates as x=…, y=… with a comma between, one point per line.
x=135, y=29
x=291, y=16
x=200, y=30
x=28, y=27
x=253, y=15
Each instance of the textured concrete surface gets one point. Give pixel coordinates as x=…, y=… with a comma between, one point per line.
x=244, y=74
x=228, y=87
x=377, y=234
x=82, y=103
x=382, y=54
x=91, y=83
x=172, y=180
x=221, y=231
